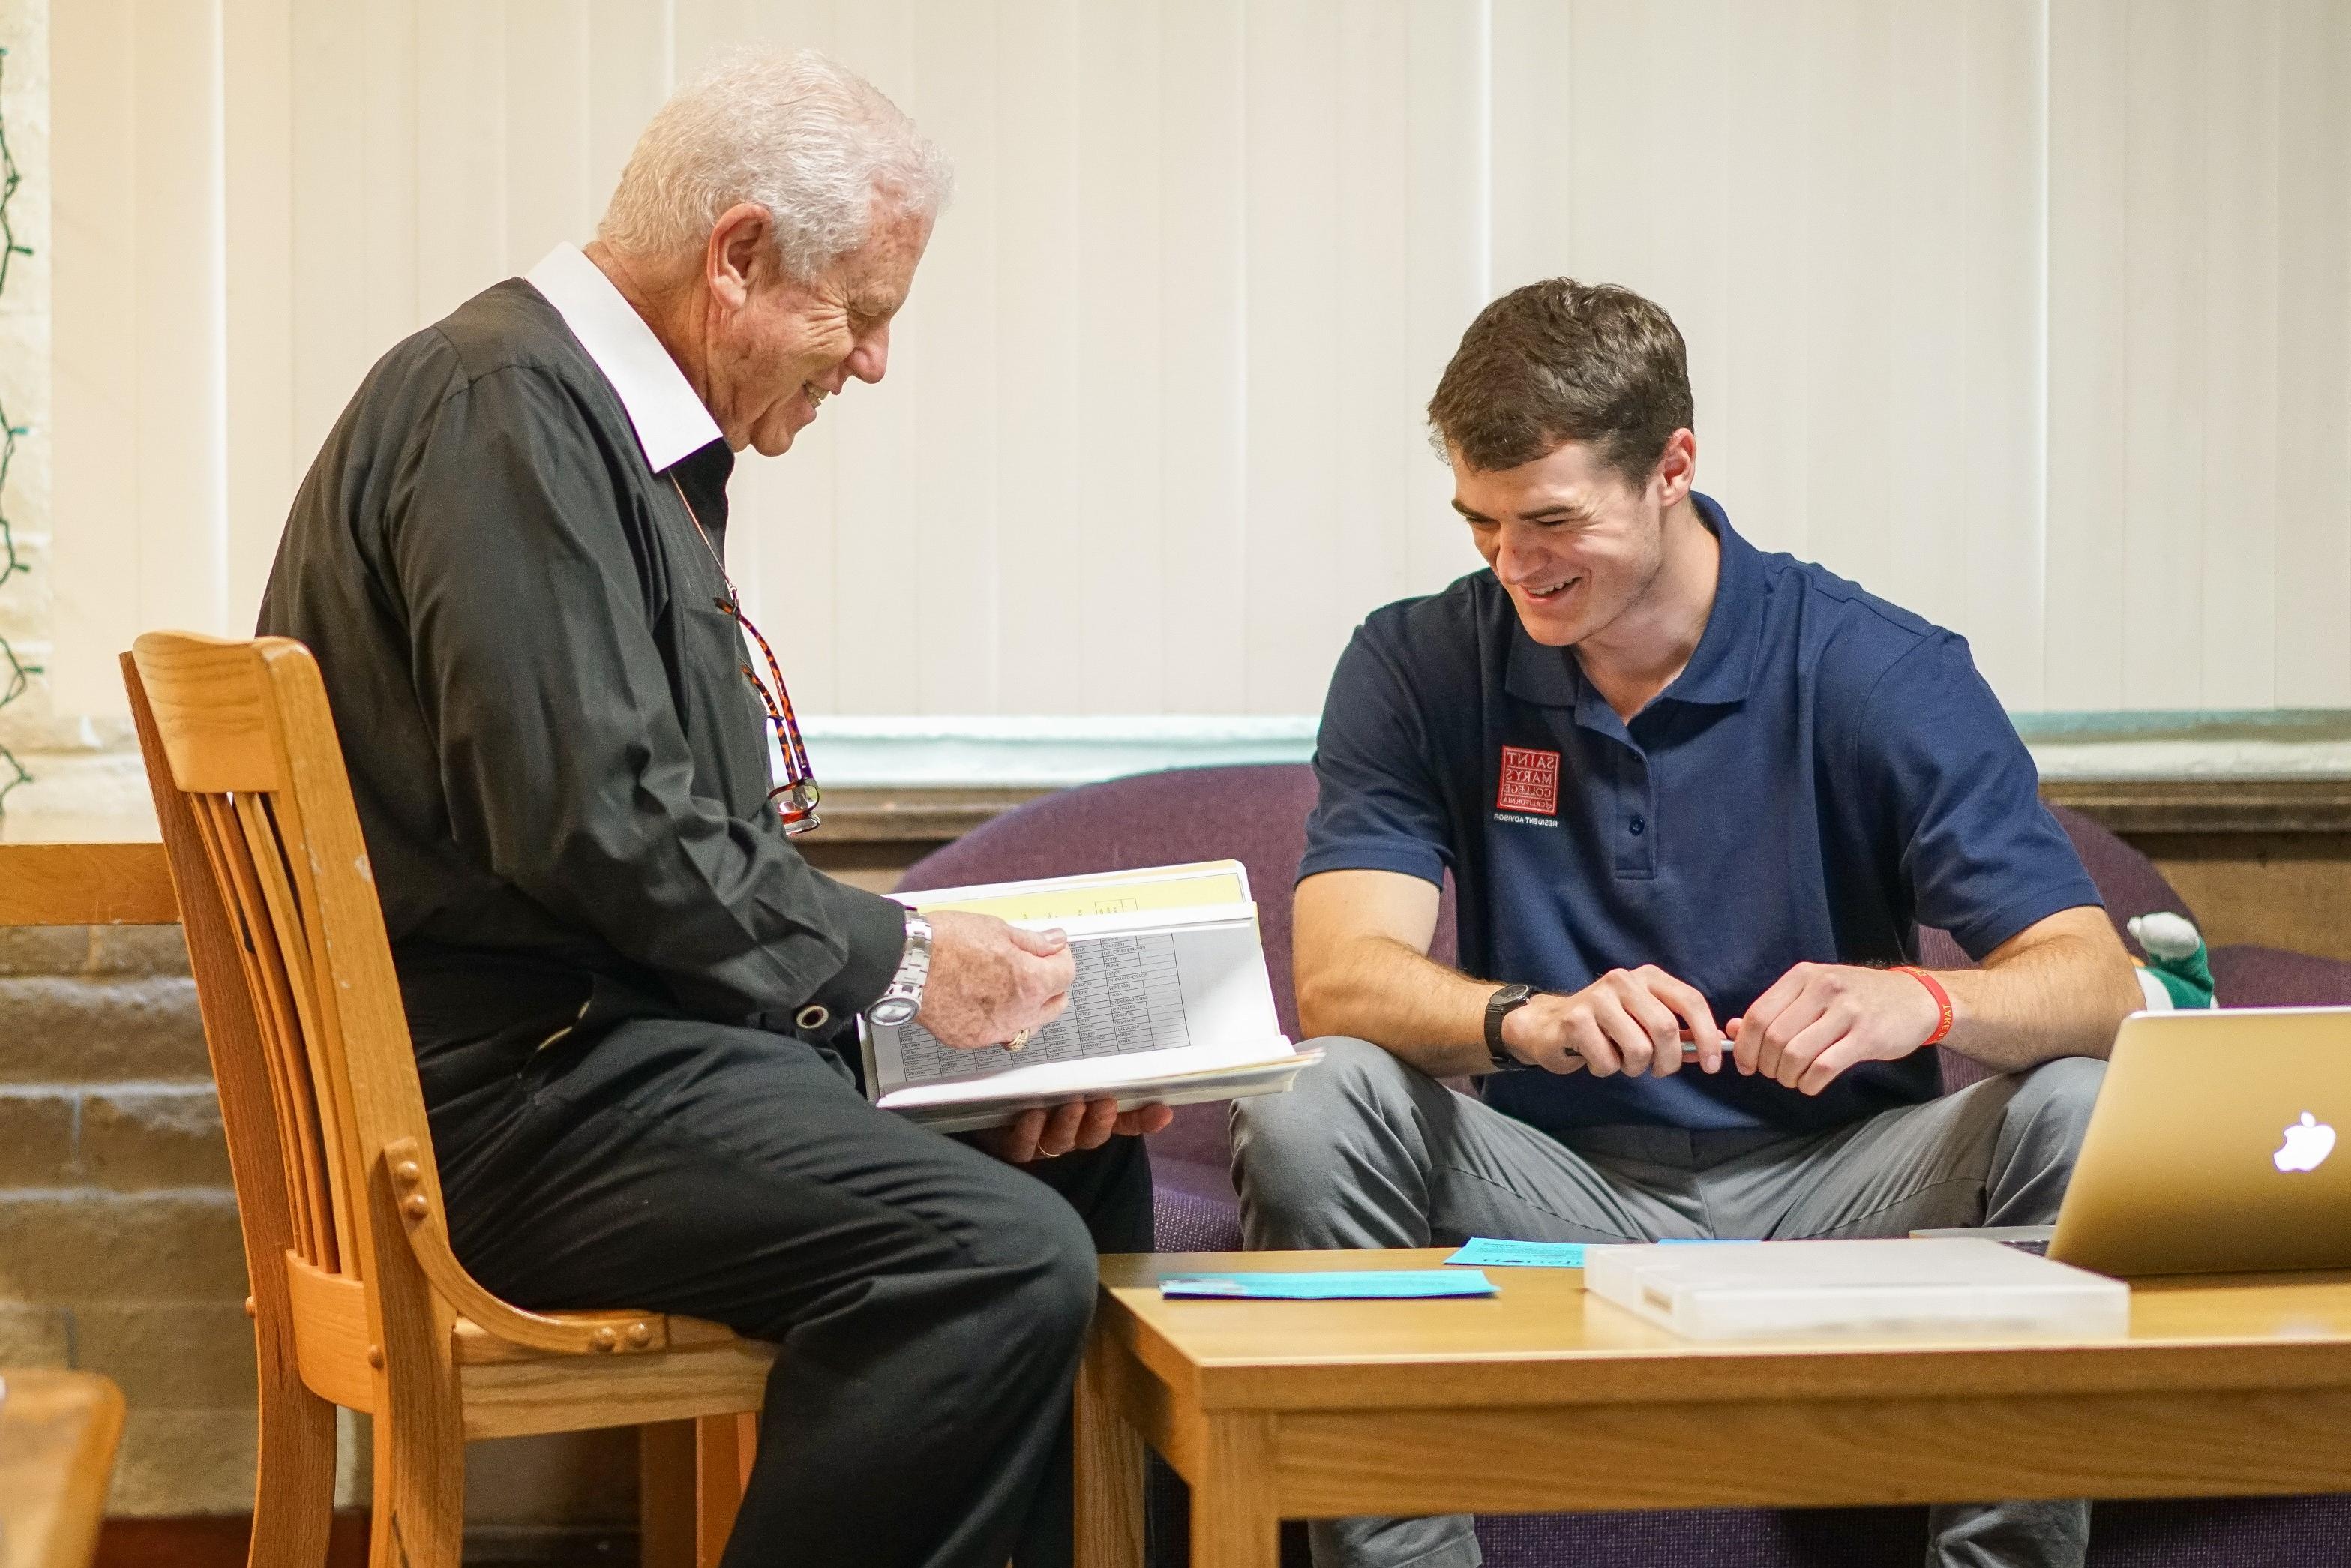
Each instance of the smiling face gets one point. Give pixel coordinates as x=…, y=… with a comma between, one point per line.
x=1575, y=542
x=777, y=346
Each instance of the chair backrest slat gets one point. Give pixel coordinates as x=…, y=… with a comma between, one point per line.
x=297, y=975
x=319, y=1236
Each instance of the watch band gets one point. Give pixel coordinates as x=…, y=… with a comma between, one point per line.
x=904, y=997
x=1506, y=1000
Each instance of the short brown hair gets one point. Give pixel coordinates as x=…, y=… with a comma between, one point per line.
x=1560, y=360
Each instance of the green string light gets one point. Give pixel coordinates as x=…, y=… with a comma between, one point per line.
x=15, y=676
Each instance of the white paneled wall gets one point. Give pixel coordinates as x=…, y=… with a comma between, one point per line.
x=2035, y=317
x=2199, y=355
x=139, y=344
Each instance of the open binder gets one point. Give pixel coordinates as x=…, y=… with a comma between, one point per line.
x=1171, y=1004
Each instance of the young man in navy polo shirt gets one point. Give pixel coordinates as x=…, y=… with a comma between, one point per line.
x=1695, y=801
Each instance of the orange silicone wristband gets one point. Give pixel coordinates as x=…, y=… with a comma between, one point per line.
x=1942, y=1001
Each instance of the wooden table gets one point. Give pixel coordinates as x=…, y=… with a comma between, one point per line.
x=57, y=1433
x=1544, y=1398
x=85, y=884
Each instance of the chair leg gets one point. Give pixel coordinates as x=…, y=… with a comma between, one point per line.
x=665, y=1495
x=294, y=1487
x=420, y=1493
x=746, y=1448
x=723, y=1449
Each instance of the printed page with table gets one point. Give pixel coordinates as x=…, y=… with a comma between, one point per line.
x=1171, y=1003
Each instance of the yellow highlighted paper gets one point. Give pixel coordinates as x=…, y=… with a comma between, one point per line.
x=1100, y=892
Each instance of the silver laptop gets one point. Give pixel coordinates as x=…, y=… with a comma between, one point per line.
x=2213, y=1147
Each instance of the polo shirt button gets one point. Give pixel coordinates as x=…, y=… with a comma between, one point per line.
x=1638, y=827
x=813, y=1017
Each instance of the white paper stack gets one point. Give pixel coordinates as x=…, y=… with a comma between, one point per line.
x=1867, y=1289
x=1171, y=1004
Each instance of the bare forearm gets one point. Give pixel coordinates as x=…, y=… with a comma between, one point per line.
x=1379, y=989
x=2062, y=996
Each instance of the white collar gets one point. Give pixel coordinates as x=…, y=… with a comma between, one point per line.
x=669, y=418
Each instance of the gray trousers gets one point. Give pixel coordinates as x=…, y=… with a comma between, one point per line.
x=1368, y=1151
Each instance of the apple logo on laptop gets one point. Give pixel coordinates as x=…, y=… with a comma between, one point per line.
x=2307, y=1143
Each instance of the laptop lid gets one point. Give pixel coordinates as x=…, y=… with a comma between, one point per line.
x=2213, y=1147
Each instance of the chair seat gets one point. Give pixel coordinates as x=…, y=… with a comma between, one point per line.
x=659, y=1367
x=476, y=1346
x=573, y=1392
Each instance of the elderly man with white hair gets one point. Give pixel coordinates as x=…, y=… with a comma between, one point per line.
x=632, y=1001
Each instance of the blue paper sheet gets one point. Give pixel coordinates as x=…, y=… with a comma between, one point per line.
x=1333, y=1285
x=1486, y=1251
x=1490, y=1253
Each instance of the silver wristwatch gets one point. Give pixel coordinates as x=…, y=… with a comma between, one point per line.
x=904, y=999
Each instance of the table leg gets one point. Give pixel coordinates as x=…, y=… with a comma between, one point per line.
x=1109, y=1456
x=1235, y=1518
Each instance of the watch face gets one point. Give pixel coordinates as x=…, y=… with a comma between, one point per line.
x=891, y=1011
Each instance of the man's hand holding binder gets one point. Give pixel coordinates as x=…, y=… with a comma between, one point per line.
x=991, y=981
x=1041, y=1134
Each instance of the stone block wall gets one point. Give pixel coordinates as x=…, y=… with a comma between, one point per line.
x=119, y=1248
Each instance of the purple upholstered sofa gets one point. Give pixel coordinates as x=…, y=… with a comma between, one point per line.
x=1258, y=815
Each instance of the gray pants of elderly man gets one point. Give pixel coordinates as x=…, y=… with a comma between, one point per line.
x=1367, y=1152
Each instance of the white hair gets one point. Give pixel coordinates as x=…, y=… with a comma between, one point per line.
x=793, y=131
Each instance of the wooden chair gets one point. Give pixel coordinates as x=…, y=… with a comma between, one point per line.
x=357, y=1299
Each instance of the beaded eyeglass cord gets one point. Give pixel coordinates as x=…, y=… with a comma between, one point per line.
x=795, y=799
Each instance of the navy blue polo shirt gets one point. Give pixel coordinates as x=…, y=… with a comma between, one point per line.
x=1827, y=773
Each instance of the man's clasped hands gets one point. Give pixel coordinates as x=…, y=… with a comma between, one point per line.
x=1813, y=1023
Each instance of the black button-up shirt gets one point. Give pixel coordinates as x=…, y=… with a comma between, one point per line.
x=560, y=769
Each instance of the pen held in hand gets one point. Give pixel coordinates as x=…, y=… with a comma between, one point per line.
x=1689, y=1046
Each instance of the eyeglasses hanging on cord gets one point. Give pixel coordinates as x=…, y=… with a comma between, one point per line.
x=795, y=799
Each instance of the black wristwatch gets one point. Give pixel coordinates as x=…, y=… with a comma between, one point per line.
x=1499, y=1006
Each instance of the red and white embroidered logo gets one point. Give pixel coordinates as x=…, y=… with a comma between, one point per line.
x=1529, y=782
